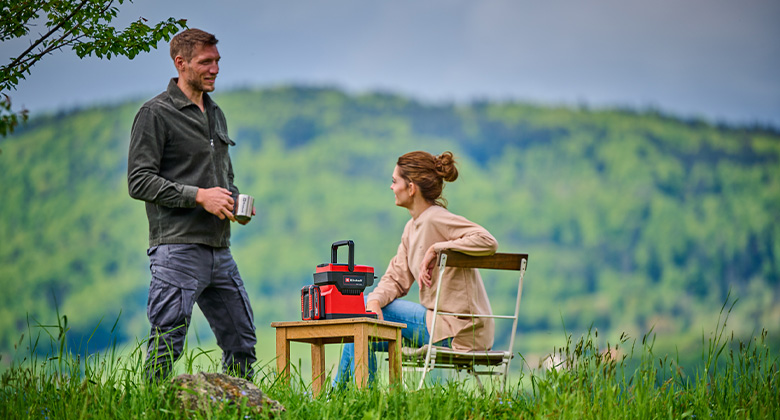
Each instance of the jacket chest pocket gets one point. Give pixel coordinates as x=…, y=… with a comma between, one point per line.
x=223, y=137
x=221, y=156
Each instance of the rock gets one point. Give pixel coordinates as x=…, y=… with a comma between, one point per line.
x=204, y=391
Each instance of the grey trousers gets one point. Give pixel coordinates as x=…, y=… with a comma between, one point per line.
x=185, y=274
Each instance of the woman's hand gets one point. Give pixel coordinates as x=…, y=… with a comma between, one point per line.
x=426, y=267
x=373, y=306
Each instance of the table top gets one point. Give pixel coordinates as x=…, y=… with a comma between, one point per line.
x=343, y=321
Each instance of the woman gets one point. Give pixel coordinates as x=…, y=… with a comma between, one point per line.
x=418, y=181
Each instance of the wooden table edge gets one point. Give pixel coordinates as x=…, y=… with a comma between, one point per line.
x=372, y=321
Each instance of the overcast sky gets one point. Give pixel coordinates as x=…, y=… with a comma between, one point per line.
x=716, y=59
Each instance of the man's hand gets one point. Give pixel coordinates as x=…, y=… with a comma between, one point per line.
x=426, y=267
x=373, y=306
x=217, y=201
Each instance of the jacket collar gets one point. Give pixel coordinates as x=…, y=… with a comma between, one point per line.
x=180, y=100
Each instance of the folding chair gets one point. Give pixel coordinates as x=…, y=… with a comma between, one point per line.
x=496, y=361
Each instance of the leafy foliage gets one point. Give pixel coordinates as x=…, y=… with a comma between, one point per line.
x=84, y=25
x=633, y=220
x=9, y=119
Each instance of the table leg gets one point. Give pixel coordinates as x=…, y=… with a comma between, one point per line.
x=361, y=355
x=283, y=354
x=394, y=353
x=317, y=367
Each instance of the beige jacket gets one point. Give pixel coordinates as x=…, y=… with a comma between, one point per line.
x=462, y=290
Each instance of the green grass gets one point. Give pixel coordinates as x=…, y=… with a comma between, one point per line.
x=736, y=379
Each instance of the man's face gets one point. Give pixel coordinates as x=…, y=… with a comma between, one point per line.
x=201, y=71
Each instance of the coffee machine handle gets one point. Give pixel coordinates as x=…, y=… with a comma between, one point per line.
x=334, y=252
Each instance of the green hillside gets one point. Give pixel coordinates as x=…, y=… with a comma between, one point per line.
x=633, y=220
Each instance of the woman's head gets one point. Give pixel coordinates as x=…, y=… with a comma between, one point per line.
x=428, y=173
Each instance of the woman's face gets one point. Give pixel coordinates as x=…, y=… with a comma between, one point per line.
x=401, y=189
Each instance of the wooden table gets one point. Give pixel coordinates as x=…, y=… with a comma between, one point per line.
x=334, y=331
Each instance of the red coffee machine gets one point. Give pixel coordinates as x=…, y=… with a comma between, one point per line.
x=337, y=291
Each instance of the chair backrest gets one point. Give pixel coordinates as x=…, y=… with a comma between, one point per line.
x=497, y=261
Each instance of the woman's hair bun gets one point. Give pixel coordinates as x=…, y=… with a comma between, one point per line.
x=428, y=172
x=445, y=166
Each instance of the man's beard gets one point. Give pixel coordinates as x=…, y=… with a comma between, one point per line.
x=197, y=85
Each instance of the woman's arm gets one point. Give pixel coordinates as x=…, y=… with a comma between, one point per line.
x=466, y=236
x=397, y=280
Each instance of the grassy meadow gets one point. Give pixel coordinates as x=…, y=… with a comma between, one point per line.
x=627, y=379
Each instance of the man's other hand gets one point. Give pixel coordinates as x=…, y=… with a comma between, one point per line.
x=217, y=201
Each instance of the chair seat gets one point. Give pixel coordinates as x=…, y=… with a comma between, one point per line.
x=446, y=355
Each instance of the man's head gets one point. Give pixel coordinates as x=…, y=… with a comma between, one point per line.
x=185, y=43
x=196, y=57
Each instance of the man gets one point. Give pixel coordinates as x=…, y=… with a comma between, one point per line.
x=179, y=165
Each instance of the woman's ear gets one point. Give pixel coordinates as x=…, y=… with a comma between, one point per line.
x=412, y=189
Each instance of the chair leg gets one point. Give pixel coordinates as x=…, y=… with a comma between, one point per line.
x=431, y=354
x=424, y=372
x=473, y=373
x=428, y=367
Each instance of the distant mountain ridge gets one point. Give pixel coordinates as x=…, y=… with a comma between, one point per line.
x=633, y=220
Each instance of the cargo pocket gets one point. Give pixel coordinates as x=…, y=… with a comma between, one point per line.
x=236, y=277
x=171, y=298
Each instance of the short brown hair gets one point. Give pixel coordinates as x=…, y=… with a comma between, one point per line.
x=429, y=172
x=184, y=42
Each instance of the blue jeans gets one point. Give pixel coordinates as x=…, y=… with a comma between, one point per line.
x=415, y=334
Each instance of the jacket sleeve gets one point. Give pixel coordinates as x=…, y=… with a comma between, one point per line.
x=397, y=280
x=467, y=237
x=147, y=143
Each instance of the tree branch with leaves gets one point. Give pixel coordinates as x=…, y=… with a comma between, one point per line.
x=83, y=25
